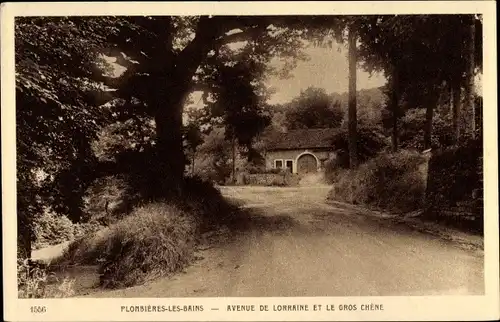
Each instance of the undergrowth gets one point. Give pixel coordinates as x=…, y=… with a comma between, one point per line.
x=36, y=281
x=394, y=182
x=154, y=240
x=157, y=239
x=52, y=229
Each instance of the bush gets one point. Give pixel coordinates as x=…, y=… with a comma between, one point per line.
x=394, y=182
x=266, y=171
x=253, y=169
x=455, y=173
x=455, y=187
x=334, y=166
x=113, y=192
x=35, y=281
x=52, y=229
x=370, y=142
x=155, y=240
x=412, y=129
x=213, y=168
x=87, y=228
x=280, y=179
x=278, y=182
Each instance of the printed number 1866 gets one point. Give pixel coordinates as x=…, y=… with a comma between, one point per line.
x=38, y=309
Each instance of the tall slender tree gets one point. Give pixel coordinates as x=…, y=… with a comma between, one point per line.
x=456, y=108
x=352, y=119
x=469, y=121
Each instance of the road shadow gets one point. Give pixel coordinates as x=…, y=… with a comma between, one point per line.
x=246, y=220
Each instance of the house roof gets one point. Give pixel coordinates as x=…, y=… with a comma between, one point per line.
x=302, y=139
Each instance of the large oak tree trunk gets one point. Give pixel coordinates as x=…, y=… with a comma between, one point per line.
x=169, y=160
x=176, y=73
x=167, y=164
x=352, y=113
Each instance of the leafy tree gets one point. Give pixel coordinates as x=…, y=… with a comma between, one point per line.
x=175, y=58
x=193, y=139
x=381, y=49
x=470, y=118
x=369, y=105
x=239, y=101
x=60, y=70
x=200, y=117
x=278, y=117
x=352, y=115
x=370, y=142
x=313, y=108
x=411, y=49
x=57, y=107
x=214, y=156
x=413, y=126
x=336, y=30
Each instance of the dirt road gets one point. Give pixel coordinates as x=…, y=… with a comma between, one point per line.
x=294, y=244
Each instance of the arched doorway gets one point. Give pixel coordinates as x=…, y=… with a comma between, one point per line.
x=307, y=163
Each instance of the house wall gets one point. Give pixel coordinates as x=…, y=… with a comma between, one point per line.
x=321, y=155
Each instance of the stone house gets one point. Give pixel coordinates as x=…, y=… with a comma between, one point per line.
x=300, y=151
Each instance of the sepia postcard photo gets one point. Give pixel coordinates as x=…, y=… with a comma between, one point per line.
x=249, y=161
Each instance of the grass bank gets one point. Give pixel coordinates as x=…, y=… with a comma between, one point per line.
x=155, y=239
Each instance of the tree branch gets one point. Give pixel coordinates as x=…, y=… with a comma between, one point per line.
x=245, y=35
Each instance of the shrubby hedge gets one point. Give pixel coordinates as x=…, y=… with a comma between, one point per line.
x=394, y=182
